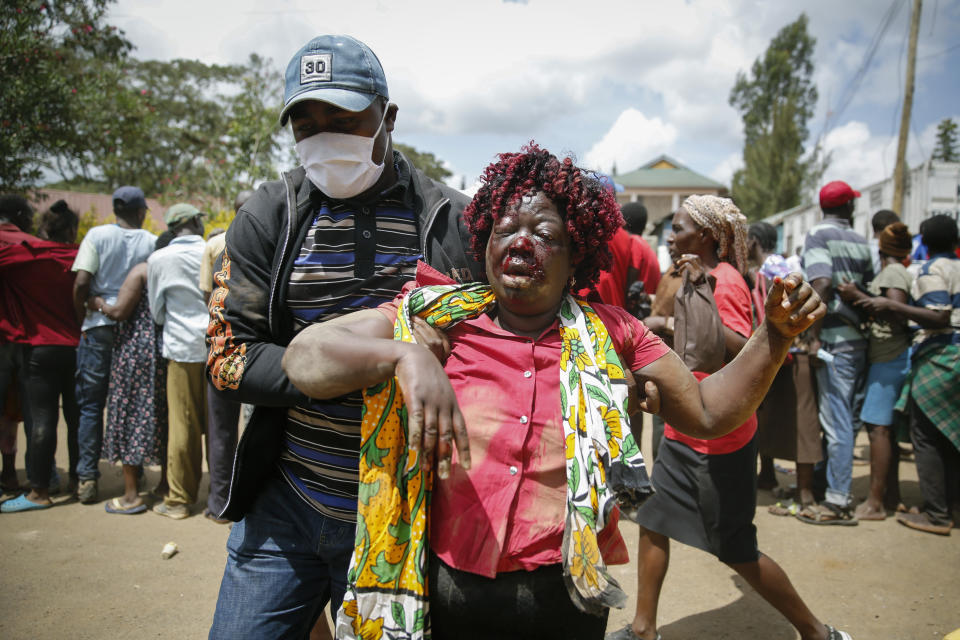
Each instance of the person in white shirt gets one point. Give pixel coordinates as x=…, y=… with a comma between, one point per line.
x=177, y=303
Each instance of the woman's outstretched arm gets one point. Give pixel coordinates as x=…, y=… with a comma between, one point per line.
x=723, y=401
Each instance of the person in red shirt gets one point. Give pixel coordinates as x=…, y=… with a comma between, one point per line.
x=37, y=307
x=501, y=507
x=16, y=220
x=706, y=489
x=644, y=265
x=632, y=260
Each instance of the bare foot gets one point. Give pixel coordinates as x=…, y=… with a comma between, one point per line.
x=129, y=503
x=867, y=511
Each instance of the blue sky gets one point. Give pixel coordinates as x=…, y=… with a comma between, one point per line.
x=618, y=81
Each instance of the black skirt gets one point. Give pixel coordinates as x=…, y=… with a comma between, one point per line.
x=706, y=501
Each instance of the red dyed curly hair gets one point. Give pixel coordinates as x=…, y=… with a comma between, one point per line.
x=585, y=203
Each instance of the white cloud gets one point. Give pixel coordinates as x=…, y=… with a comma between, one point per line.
x=862, y=158
x=724, y=171
x=632, y=140
x=490, y=70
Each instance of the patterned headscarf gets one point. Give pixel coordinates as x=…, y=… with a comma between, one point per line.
x=725, y=222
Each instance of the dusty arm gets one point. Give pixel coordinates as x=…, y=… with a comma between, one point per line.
x=724, y=401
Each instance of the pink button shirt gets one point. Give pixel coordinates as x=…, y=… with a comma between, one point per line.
x=507, y=512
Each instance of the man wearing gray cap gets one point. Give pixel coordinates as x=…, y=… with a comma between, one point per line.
x=106, y=255
x=340, y=233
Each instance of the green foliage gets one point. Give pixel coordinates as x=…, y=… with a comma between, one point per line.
x=425, y=161
x=88, y=220
x=218, y=219
x=947, y=149
x=51, y=54
x=185, y=130
x=776, y=100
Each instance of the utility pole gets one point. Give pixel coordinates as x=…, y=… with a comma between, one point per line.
x=899, y=172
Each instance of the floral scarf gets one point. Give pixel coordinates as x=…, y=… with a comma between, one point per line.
x=387, y=585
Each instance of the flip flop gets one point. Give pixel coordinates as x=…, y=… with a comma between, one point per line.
x=21, y=503
x=922, y=522
x=784, y=508
x=114, y=505
x=827, y=514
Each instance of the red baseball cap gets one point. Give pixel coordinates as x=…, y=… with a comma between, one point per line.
x=836, y=194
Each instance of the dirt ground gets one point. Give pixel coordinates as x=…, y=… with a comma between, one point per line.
x=74, y=571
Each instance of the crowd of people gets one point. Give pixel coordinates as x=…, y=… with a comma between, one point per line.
x=116, y=327
x=447, y=394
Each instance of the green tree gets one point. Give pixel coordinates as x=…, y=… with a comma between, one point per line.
x=51, y=54
x=184, y=130
x=776, y=100
x=425, y=161
x=946, y=149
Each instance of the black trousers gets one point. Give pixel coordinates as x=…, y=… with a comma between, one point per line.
x=223, y=420
x=49, y=376
x=517, y=604
x=938, y=466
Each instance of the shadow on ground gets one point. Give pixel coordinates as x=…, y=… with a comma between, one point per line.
x=749, y=616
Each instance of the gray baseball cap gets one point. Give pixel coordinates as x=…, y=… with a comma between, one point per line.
x=129, y=198
x=339, y=70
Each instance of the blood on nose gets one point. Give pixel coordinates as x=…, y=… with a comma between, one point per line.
x=522, y=245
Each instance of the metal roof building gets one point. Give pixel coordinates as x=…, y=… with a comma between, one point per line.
x=662, y=184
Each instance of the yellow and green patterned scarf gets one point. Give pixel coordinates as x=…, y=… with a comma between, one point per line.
x=387, y=582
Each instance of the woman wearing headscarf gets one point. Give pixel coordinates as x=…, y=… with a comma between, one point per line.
x=522, y=519
x=706, y=489
x=888, y=352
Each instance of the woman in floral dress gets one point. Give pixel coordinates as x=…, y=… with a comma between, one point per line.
x=136, y=431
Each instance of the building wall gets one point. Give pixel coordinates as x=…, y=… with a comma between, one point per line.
x=659, y=203
x=933, y=188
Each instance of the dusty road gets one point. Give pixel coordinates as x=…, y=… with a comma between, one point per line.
x=74, y=571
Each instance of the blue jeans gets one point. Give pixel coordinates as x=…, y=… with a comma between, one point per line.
x=285, y=562
x=93, y=376
x=840, y=386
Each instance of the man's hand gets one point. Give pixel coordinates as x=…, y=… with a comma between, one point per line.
x=434, y=418
x=792, y=306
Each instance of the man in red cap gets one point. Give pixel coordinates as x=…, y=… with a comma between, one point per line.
x=832, y=253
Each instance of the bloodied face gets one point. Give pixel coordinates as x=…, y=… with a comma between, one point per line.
x=528, y=256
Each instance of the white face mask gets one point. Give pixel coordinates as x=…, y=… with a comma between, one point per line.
x=340, y=164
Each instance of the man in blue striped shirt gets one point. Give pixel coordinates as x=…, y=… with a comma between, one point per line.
x=833, y=253
x=342, y=232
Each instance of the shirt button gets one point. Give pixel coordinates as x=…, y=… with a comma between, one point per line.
x=366, y=234
x=523, y=419
x=513, y=470
x=527, y=374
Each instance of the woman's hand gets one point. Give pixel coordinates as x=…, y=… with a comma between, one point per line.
x=97, y=303
x=876, y=304
x=792, y=306
x=434, y=419
x=692, y=264
x=432, y=338
x=110, y=311
x=848, y=291
x=648, y=401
